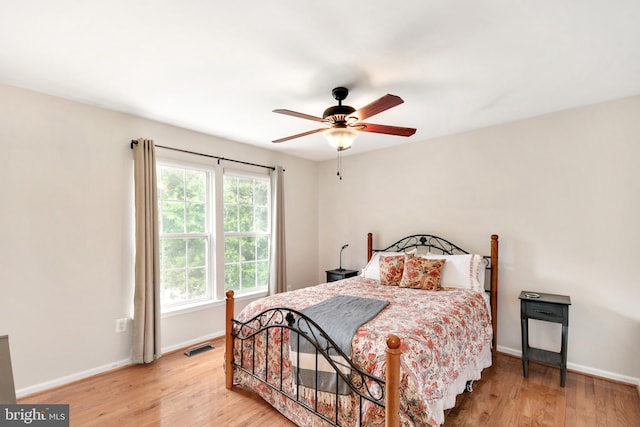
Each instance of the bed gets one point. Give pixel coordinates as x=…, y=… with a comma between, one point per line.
x=433, y=333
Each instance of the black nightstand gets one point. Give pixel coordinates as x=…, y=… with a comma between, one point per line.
x=338, y=274
x=550, y=308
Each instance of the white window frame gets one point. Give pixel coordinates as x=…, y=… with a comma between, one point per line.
x=214, y=225
x=264, y=177
x=209, y=234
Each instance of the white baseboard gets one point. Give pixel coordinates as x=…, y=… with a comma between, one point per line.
x=105, y=368
x=71, y=378
x=192, y=342
x=584, y=369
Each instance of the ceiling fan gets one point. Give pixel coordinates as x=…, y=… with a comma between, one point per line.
x=346, y=122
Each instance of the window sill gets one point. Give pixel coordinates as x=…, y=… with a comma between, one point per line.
x=205, y=305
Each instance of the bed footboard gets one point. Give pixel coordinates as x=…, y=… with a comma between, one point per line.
x=278, y=322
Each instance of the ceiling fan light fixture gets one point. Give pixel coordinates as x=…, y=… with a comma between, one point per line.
x=340, y=138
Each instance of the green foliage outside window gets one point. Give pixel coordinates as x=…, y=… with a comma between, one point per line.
x=183, y=247
x=246, y=226
x=185, y=237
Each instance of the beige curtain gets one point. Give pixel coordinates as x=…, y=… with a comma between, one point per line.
x=146, y=307
x=278, y=279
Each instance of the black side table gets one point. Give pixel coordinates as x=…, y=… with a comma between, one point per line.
x=550, y=308
x=339, y=274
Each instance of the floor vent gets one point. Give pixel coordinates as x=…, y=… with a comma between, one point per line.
x=198, y=349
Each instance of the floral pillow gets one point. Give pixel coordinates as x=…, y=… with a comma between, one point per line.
x=391, y=268
x=372, y=269
x=422, y=273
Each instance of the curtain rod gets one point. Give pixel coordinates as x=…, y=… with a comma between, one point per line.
x=133, y=141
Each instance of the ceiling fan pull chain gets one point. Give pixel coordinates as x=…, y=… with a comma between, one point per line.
x=339, y=165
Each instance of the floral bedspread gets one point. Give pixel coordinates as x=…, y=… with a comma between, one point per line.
x=442, y=332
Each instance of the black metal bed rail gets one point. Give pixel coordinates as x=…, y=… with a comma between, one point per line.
x=366, y=387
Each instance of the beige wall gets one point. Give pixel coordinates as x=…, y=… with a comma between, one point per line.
x=562, y=191
x=66, y=234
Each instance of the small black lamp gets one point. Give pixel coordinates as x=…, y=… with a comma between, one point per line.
x=343, y=246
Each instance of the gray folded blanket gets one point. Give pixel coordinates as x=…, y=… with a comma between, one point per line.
x=340, y=317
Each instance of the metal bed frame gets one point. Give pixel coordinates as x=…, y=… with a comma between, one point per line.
x=382, y=392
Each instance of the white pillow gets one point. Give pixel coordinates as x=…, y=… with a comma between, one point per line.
x=372, y=269
x=462, y=271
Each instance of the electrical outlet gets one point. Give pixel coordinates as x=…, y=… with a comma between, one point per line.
x=121, y=325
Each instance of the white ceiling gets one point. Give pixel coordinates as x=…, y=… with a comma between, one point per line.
x=222, y=67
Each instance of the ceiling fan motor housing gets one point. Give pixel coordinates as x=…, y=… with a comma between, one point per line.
x=338, y=113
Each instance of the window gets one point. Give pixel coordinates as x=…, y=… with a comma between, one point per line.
x=183, y=204
x=246, y=232
x=190, y=260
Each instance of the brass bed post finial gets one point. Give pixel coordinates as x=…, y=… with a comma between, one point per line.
x=369, y=246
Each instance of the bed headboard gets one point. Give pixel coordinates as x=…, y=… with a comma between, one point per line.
x=432, y=243
x=442, y=246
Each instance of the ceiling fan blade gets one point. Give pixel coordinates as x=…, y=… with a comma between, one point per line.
x=377, y=106
x=300, y=115
x=299, y=135
x=389, y=130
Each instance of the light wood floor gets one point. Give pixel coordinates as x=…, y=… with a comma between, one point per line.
x=189, y=391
